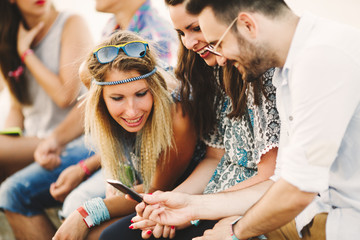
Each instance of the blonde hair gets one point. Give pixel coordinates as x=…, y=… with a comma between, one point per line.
x=153, y=140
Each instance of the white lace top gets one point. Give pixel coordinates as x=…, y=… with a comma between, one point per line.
x=244, y=139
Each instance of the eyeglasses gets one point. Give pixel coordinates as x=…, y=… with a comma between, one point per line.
x=212, y=48
x=108, y=53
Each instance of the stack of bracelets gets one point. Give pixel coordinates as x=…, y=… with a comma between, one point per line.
x=94, y=212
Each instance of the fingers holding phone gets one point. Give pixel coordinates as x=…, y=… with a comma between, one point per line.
x=126, y=190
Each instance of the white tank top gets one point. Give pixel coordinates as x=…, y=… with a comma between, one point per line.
x=44, y=115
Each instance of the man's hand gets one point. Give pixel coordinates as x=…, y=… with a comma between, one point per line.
x=221, y=230
x=167, y=208
x=47, y=153
x=69, y=179
x=73, y=228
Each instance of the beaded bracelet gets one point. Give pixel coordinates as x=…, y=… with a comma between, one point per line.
x=27, y=52
x=97, y=210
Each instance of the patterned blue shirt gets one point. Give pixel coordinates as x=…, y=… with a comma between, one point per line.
x=150, y=25
x=244, y=139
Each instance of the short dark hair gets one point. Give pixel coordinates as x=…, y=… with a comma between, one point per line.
x=227, y=10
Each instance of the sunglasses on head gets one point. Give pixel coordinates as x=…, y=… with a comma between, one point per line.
x=108, y=53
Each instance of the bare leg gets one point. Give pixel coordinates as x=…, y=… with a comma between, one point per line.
x=15, y=154
x=38, y=227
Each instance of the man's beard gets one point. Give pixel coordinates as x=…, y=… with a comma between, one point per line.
x=256, y=61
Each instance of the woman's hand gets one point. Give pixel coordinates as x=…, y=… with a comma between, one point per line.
x=160, y=231
x=73, y=228
x=47, y=153
x=168, y=208
x=149, y=228
x=26, y=37
x=69, y=179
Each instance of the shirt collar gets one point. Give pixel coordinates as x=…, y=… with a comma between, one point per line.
x=303, y=31
x=278, y=77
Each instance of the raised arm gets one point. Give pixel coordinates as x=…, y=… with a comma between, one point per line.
x=63, y=87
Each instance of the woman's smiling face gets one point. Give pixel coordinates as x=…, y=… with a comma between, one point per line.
x=188, y=28
x=129, y=104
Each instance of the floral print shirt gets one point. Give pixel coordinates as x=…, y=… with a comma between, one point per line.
x=244, y=139
x=149, y=24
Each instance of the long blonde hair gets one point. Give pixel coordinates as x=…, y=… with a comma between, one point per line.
x=153, y=140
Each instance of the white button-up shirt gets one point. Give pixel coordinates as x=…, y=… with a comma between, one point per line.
x=318, y=96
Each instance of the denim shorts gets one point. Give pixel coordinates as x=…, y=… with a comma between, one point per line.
x=27, y=191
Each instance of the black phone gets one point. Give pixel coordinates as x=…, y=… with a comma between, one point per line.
x=125, y=189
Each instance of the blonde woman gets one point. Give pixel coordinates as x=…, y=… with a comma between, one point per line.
x=143, y=136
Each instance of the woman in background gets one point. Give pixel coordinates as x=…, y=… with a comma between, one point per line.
x=40, y=52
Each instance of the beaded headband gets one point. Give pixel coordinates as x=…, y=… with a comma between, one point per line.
x=125, y=80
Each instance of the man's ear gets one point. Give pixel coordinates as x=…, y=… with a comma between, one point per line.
x=247, y=25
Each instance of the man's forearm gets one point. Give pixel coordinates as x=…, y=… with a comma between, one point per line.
x=282, y=203
x=220, y=205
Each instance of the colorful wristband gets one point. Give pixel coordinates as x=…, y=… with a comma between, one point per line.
x=86, y=218
x=97, y=210
x=85, y=168
x=27, y=52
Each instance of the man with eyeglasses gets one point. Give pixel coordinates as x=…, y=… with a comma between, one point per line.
x=314, y=193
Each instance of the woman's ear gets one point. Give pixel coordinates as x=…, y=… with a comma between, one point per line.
x=246, y=25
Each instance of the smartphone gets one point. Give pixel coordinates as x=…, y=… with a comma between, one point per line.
x=125, y=189
x=12, y=131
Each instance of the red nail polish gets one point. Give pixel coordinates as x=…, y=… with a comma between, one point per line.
x=150, y=193
x=131, y=221
x=149, y=232
x=172, y=227
x=131, y=227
